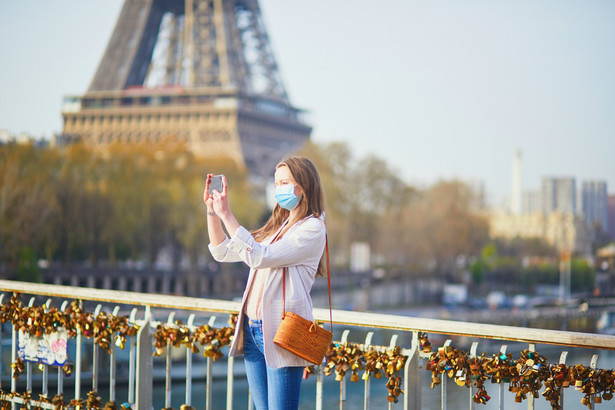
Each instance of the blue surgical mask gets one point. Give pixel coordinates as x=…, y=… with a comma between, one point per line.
x=285, y=196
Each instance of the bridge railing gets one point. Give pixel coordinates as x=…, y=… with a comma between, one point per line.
x=403, y=367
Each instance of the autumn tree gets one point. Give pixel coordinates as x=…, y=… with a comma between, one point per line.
x=25, y=199
x=440, y=224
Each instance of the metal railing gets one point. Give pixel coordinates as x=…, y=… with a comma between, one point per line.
x=140, y=375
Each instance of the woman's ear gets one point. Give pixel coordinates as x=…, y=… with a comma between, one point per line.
x=298, y=191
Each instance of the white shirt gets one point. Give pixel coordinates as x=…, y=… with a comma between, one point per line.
x=300, y=251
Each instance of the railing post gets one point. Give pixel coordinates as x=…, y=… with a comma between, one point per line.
x=45, y=387
x=95, y=351
x=391, y=347
x=13, y=360
x=145, y=364
x=132, y=359
x=343, y=340
x=78, y=356
x=209, y=382
x=190, y=324
x=444, y=381
x=562, y=360
x=28, y=363
x=319, y=382
x=112, y=360
x=530, y=396
x=168, y=381
x=472, y=354
x=366, y=389
x=592, y=365
x=29, y=377
x=412, y=377
x=501, y=383
x=60, y=370
x=230, y=379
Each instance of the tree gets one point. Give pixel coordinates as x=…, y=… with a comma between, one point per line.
x=28, y=268
x=445, y=225
x=333, y=162
x=24, y=197
x=583, y=275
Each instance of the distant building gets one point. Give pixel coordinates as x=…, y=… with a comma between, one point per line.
x=559, y=195
x=594, y=203
x=5, y=136
x=564, y=231
x=611, y=216
x=531, y=202
x=516, y=195
x=477, y=187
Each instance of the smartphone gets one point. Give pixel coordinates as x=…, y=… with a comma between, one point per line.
x=215, y=184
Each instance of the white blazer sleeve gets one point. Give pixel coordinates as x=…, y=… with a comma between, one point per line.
x=302, y=244
x=222, y=253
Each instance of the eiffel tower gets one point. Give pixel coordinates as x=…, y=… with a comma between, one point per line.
x=198, y=71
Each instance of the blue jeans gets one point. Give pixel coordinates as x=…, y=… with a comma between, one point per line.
x=272, y=389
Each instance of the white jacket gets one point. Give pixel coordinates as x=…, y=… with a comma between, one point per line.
x=300, y=251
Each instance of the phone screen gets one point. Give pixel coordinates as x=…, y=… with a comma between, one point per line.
x=215, y=184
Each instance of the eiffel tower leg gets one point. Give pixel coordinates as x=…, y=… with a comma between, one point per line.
x=129, y=51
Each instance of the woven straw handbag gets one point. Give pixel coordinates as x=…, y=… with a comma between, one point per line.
x=300, y=336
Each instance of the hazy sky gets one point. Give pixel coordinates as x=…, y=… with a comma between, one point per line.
x=438, y=88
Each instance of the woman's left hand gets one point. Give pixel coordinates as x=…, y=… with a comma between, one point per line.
x=220, y=201
x=223, y=210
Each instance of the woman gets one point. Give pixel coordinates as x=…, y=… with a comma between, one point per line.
x=293, y=238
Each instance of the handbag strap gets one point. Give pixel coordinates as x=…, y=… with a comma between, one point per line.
x=328, y=285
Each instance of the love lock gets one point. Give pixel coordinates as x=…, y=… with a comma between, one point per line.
x=94, y=400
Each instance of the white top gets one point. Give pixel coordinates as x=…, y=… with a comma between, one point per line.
x=253, y=308
x=300, y=250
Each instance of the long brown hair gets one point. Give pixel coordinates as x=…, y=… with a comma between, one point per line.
x=307, y=178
